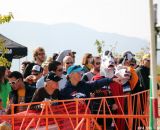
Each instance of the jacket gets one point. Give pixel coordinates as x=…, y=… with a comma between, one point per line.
x=83, y=89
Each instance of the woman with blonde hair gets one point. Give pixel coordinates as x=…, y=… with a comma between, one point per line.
x=87, y=62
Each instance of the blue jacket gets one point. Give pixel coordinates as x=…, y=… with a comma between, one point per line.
x=83, y=89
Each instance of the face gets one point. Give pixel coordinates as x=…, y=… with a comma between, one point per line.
x=75, y=76
x=59, y=70
x=7, y=72
x=97, y=64
x=14, y=83
x=36, y=75
x=68, y=63
x=146, y=63
x=89, y=59
x=41, y=56
x=52, y=84
x=22, y=67
x=45, y=70
x=127, y=63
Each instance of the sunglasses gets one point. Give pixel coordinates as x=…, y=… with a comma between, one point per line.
x=98, y=63
x=13, y=82
x=147, y=60
x=69, y=63
x=132, y=64
x=35, y=74
x=60, y=70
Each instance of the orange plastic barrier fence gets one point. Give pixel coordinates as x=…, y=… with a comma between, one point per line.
x=84, y=114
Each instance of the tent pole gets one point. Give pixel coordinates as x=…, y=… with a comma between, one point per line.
x=153, y=86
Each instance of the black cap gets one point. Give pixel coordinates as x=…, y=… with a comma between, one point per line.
x=52, y=76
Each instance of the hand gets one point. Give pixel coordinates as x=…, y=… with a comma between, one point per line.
x=42, y=105
x=118, y=80
x=114, y=107
x=30, y=79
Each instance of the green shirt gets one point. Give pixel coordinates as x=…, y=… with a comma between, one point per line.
x=5, y=89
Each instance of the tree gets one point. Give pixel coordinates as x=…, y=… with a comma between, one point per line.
x=6, y=18
x=3, y=49
x=99, y=44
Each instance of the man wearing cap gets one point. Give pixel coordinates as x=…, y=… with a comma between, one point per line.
x=35, y=75
x=49, y=92
x=143, y=72
x=76, y=88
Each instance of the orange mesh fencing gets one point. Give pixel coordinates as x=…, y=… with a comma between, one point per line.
x=81, y=114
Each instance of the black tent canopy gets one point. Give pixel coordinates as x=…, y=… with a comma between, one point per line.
x=16, y=51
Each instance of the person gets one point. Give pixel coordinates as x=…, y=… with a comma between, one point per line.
x=63, y=54
x=96, y=62
x=21, y=92
x=143, y=72
x=5, y=87
x=114, y=89
x=36, y=74
x=77, y=88
x=50, y=91
x=133, y=63
x=73, y=55
x=86, y=62
x=107, y=68
x=133, y=82
x=39, y=57
x=40, y=81
x=67, y=62
x=24, y=64
x=57, y=68
x=54, y=56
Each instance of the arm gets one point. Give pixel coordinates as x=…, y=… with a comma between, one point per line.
x=85, y=78
x=93, y=85
x=37, y=97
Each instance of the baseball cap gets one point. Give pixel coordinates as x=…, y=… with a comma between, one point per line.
x=37, y=68
x=74, y=68
x=52, y=76
x=146, y=57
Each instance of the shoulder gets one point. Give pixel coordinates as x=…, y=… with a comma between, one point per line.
x=40, y=89
x=139, y=68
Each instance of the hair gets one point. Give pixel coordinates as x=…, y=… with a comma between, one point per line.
x=95, y=58
x=85, y=58
x=16, y=75
x=133, y=60
x=120, y=60
x=46, y=63
x=55, y=55
x=66, y=58
x=25, y=63
x=36, y=51
x=53, y=65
